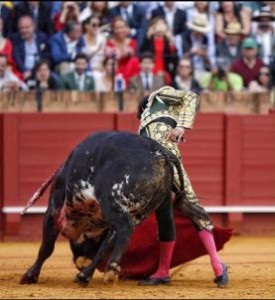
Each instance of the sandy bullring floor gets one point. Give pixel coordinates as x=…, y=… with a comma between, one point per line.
x=251, y=264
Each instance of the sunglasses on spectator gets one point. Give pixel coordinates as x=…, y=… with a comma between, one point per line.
x=264, y=73
x=95, y=24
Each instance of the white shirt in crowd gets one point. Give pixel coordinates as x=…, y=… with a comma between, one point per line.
x=31, y=53
x=184, y=85
x=170, y=16
x=95, y=53
x=71, y=46
x=147, y=80
x=9, y=76
x=267, y=42
x=80, y=80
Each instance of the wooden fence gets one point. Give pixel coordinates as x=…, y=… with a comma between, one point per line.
x=74, y=101
x=230, y=160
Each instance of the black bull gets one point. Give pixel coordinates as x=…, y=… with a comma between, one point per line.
x=110, y=183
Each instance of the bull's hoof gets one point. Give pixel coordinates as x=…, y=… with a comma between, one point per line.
x=110, y=277
x=81, y=279
x=82, y=262
x=28, y=279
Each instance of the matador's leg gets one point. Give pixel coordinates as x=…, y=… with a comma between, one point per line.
x=203, y=223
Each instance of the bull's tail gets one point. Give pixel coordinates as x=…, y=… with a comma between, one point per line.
x=181, y=199
x=38, y=194
x=174, y=162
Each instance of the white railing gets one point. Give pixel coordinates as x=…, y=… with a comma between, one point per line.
x=209, y=209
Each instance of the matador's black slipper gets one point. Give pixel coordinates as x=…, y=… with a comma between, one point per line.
x=155, y=281
x=222, y=280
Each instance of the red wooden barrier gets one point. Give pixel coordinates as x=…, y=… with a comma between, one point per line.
x=250, y=167
x=203, y=157
x=35, y=145
x=230, y=160
x=127, y=122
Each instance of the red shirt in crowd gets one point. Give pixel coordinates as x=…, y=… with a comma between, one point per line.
x=128, y=66
x=58, y=26
x=159, y=51
x=7, y=51
x=248, y=74
x=159, y=54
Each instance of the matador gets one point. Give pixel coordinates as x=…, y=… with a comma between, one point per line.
x=164, y=116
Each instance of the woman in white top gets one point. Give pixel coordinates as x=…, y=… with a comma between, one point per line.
x=104, y=81
x=95, y=42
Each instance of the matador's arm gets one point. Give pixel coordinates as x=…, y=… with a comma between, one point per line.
x=188, y=112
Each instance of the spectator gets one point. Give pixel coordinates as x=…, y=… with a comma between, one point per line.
x=204, y=8
x=69, y=12
x=123, y=48
x=134, y=16
x=131, y=13
x=256, y=6
x=8, y=81
x=174, y=17
x=29, y=46
x=6, y=49
x=264, y=33
x=230, y=11
x=249, y=64
x=184, y=80
x=263, y=82
x=195, y=45
x=221, y=79
x=230, y=47
x=40, y=11
x=106, y=79
x=42, y=77
x=159, y=41
x=65, y=45
x=148, y=7
x=6, y=15
x=252, y=5
x=98, y=9
x=95, y=42
x=78, y=79
x=146, y=81
x=56, y=6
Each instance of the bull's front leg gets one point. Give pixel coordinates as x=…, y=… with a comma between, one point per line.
x=84, y=277
x=50, y=233
x=124, y=230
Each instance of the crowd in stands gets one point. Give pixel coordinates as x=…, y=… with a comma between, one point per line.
x=138, y=46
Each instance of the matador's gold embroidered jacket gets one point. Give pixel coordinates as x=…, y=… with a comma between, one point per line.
x=182, y=107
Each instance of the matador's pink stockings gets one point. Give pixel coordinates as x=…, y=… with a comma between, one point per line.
x=165, y=257
x=210, y=246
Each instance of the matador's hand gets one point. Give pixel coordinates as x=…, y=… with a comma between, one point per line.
x=175, y=135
